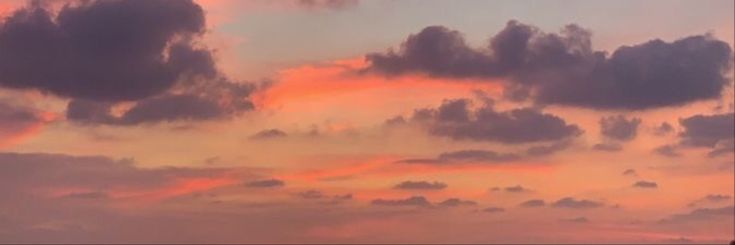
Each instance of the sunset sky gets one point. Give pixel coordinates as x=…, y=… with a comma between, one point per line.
x=347, y=121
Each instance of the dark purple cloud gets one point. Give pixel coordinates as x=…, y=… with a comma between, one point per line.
x=663, y=129
x=562, y=68
x=516, y=189
x=667, y=150
x=457, y=120
x=420, y=185
x=701, y=214
x=15, y=119
x=102, y=53
x=716, y=132
x=465, y=156
x=327, y=4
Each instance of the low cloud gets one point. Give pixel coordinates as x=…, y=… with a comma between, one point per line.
x=456, y=202
x=269, y=134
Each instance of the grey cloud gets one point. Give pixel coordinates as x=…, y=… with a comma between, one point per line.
x=533, y=203
x=327, y=4
x=563, y=68
x=311, y=194
x=707, y=130
x=421, y=185
x=267, y=183
x=645, y=184
x=15, y=119
x=569, y=202
x=417, y=201
x=619, y=128
x=543, y=150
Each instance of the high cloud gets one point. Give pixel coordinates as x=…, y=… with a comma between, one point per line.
x=102, y=53
x=562, y=68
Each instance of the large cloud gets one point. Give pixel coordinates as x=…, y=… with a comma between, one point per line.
x=458, y=120
x=562, y=68
x=106, y=52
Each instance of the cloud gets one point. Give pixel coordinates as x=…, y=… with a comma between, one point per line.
x=457, y=120
x=569, y=202
x=543, y=150
x=711, y=131
x=516, y=189
x=663, y=129
x=327, y=4
x=667, y=150
x=645, y=184
x=103, y=53
x=493, y=210
x=562, y=68
x=267, y=183
x=533, y=203
x=420, y=185
x=619, y=128
x=609, y=147
x=630, y=172
x=311, y=194
x=465, y=156
x=711, y=198
x=417, y=201
x=701, y=214
x=89, y=177
x=456, y=202
x=269, y=134
x=18, y=121
x=577, y=220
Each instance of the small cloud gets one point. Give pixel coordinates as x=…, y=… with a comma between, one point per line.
x=87, y=195
x=645, y=184
x=269, y=134
x=420, y=185
x=619, y=128
x=456, y=202
x=516, y=189
x=265, y=183
x=417, y=201
x=630, y=172
x=577, y=220
x=700, y=214
x=311, y=194
x=533, y=203
x=493, y=210
x=663, y=129
x=667, y=150
x=569, y=202
x=609, y=147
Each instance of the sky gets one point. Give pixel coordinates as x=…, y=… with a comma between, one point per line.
x=346, y=121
